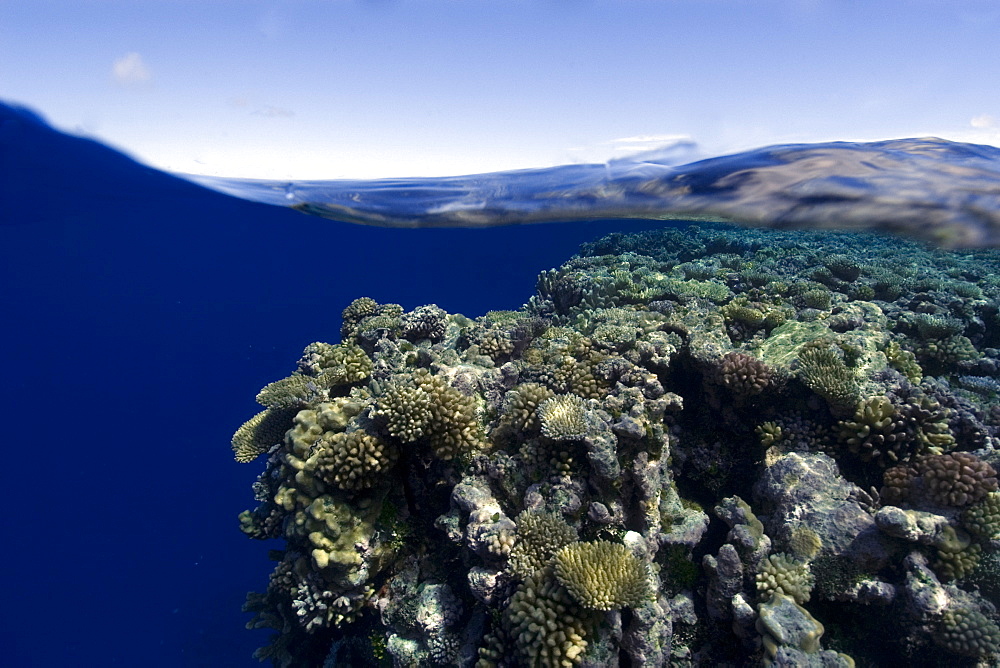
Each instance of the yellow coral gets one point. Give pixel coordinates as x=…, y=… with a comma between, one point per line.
x=602, y=575
x=547, y=625
x=258, y=434
x=426, y=406
x=352, y=461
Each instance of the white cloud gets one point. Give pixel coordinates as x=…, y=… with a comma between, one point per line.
x=666, y=148
x=130, y=70
x=273, y=112
x=983, y=121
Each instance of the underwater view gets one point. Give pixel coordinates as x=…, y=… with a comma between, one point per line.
x=696, y=445
x=740, y=411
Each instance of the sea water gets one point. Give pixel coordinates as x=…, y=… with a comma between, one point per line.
x=143, y=314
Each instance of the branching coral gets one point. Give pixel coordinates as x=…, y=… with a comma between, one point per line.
x=352, y=461
x=602, y=575
x=823, y=370
x=539, y=536
x=520, y=405
x=424, y=322
x=423, y=406
x=563, y=417
x=983, y=517
x=957, y=478
x=878, y=432
x=548, y=627
x=957, y=555
x=744, y=375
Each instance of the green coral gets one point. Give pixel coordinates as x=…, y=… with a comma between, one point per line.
x=823, y=370
x=817, y=299
x=602, y=575
x=769, y=433
x=519, y=413
x=944, y=354
x=968, y=632
x=957, y=555
x=287, y=392
x=804, y=543
x=843, y=267
x=406, y=410
x=983, y=517
x=878, y=433
x=904, y=361
x=339, y=364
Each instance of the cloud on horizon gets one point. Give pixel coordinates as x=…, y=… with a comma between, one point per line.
x=131, y=71
x=668, y=148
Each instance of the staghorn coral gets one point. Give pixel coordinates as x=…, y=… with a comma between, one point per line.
x=602, y=575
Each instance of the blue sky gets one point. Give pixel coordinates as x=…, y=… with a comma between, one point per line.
x=334, y=89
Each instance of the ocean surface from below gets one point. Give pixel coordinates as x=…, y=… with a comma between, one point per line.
x=944, y=192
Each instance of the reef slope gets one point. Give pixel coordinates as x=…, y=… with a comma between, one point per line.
x=691, y=447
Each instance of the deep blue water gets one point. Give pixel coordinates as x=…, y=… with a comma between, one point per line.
x=141, y=315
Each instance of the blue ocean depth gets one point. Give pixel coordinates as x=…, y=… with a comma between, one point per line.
x=630, y=434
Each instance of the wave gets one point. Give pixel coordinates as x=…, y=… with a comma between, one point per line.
x=941, y=191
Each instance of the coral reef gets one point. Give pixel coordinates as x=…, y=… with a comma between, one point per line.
x=692, y=447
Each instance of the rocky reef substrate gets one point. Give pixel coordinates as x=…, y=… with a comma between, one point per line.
x=695, y=447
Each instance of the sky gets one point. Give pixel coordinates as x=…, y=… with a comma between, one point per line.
x=309, y=89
